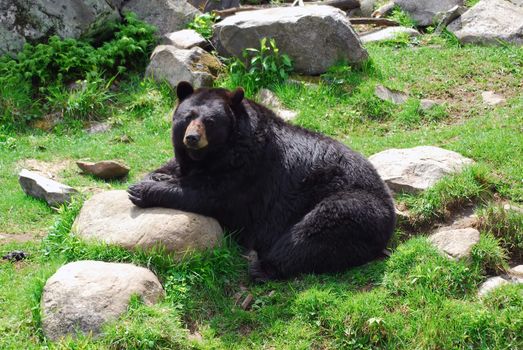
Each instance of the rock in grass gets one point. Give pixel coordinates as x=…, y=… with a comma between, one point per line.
x=270, y=100
x=490, y=284
x=83, y=295
x=389, y=33
x=111, y=217
x=38, y=186
x=491, y=98
x=425, y=11
x=172, y=64
x=184, y=39
x=456, y=243
x=416, y=169
x=106, y=169
x=490, y=22
x=516, y=273
x=314, y=37
x=394, y=96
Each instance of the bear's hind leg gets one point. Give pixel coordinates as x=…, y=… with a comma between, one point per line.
x=343, y=230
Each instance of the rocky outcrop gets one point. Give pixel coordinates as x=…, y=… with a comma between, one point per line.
x=314, y=37
x=166, y=15
x=36, y=20
x=111, y=217
x=416, y=169
x=424, y=11
x=489, y=22
x=173, y=65
x=38, y=186
x=83, y=295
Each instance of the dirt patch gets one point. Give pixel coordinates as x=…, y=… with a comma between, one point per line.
x=18, y=237
x=51, y=170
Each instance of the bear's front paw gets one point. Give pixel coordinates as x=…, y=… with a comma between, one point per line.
x=138, y=194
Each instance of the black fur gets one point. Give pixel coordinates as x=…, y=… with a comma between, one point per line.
x=304, y=202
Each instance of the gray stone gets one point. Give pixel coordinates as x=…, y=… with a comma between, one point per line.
x=424, y=11
x=416, y=169
x=38, y=186
x=36, y=20
x=384, y=10
x=184, y=39
x=489, y=22
x=105, y=169
x=516, y=273
x=112, y=218
x=166, y=15
x=456, y=244
x=443, y=19
x=83, y=295
x=366, y=9
x=389, y=33
x=426, y=104
x=194, y=65
x=491, y=98
x=98, y=128
x=314, y=37
x=270, y=100
x=214, y=5
x=490, y=284
x=386, y=94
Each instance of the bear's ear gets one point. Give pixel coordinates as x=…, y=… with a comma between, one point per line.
x=237, y=96
x=184, y=90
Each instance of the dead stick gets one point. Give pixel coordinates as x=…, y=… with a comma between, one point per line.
x=376, y=21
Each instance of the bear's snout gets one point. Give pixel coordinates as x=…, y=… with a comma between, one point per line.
x=195, y=137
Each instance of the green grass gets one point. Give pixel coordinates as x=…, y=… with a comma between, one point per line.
x=416, y=299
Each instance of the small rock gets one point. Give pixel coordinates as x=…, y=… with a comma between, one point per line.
x=396, y=97
x=426, y=104
x=510, y=207
x=172, y=64
x=83, y=295
x=517, y=273
x=416, y=169
x=455, y=243
x=112, y=218
x=389, y=33
x=246, y=303
x=384, y=10
x=106, y=169
x=16, y=255
x=184, y=39
x=491, y=284
x=270, y=100
x=98, y=128
x=443, y=19
x=35, y=185
x=491, y=98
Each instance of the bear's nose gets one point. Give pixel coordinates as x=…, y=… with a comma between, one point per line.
x=192, y=139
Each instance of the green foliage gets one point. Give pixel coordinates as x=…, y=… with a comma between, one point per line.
x=488, y=256
x=263, y=67
x=412, y=114
x=402, y=18
x=203, y=24
x=46, y=70
x=474, y=183
x=506, y=225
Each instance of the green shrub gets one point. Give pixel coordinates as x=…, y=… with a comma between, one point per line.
x=263, y=67
x=203, y=24
x=402, y=18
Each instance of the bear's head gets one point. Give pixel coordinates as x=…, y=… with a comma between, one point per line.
x=204, y=120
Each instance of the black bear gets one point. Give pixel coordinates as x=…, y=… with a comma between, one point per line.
x=303, y=202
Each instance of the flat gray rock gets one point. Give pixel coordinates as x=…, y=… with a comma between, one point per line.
x=415, y=169
x=38, y=186
x=394, y=96
x=270, y=100
x=424, y=11
x=455, y=243
x=83, y=295
x=184, y=39
x=105, y=169
x=112, y=218
x=166, y=15
x=173, y=65
x=490, y=284
x=516, y=273
x=489, y=22
x=314, y=37
x=389, y=33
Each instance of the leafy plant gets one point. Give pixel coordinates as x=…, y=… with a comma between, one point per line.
x=263, y=67
x=402, y=18
x=203, y=24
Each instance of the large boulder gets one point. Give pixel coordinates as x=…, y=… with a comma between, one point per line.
x=173, y=65
x=166, y=15
x=111, y=217
x=35, y=20
x=416, y=169
x=83, y=295
x=489, y=22
x=41, y=187
x=315, y=37
x=424, y=11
